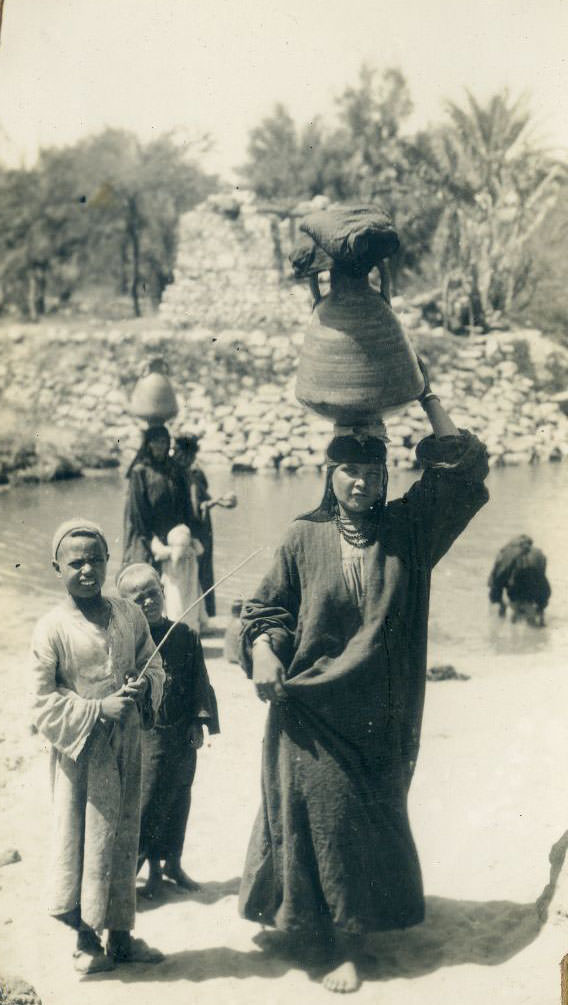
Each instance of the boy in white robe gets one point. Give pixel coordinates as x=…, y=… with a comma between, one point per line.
x=87, y=654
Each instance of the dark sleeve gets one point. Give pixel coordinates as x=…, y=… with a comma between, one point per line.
x=202, y=483
x=182, y=500
x=546, y=592
x=542, y=591
x=451, y=491
x=205, y=709
x=198, y=489
x=274, y=608
x=137, y=520
x=150, y=661
x=498, y=578
x=495, y=590
x=146, y=710
x=503, y=567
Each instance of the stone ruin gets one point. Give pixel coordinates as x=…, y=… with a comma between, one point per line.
x=232, y=269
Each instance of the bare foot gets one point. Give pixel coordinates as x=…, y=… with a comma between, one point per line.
x=343, y=980
x=180, y=878
x=152, y=886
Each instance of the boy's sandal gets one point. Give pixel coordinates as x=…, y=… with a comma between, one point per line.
x=92, y=963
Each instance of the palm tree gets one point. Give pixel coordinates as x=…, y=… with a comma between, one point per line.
x=495, y=186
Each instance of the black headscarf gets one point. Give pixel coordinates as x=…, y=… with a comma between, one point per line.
x=358, y=449
x=144, y=455
x=351, y=450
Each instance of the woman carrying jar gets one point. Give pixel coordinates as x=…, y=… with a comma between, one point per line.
x=335, y=639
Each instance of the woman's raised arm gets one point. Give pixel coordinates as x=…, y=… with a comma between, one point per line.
x=439, y=419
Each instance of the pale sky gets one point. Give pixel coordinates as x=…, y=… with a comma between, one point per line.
x=68, y=68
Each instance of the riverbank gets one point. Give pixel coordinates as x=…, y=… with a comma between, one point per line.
x=66, y=390
x=487, y=804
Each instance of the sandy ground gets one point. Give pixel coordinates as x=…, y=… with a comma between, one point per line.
x=489, y=801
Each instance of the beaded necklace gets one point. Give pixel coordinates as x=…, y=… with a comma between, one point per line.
x=353, y=536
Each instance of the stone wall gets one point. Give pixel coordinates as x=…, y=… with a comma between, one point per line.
x=237, y=393
x=231, y=327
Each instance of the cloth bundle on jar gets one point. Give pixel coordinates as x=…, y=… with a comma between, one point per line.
x=356, y=362
x=357, y=236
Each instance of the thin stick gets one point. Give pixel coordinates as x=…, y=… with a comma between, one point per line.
x=194, y=604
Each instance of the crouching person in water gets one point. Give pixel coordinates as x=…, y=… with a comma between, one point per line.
x=84, y=650
x=335, y=640
x=519, y=573
x=169, y=750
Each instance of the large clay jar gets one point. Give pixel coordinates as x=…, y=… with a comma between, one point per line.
x=153, y=398
x=356, y=362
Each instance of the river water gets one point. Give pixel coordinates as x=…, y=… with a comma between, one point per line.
x=533, y=500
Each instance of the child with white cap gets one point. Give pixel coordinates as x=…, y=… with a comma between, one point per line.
x=85, y=653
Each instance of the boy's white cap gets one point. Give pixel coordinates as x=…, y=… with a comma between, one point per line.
x=137, y=569
x=74, y=527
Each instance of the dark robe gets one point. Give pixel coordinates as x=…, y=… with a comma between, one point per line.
x=504, y=564
x=157, y=500
x=168, y=759
x=520, y=571
x=332, y=843
x=527, y=582
x=203, y=530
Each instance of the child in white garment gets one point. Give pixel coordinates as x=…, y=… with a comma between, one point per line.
x=87, y=655
x=180, y=576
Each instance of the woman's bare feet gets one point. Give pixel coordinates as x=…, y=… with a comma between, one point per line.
x=344, y=979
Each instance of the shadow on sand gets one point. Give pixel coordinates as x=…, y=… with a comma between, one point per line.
x=208, y=893
x=454, y=932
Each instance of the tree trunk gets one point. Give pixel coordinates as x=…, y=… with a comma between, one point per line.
x=133, y=230
x=41, y=286
x=32, y=311
x=477, y=311
x=124, y=266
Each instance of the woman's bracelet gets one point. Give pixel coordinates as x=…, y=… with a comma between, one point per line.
x=430, y=396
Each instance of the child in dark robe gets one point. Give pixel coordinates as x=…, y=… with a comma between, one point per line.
x=169, y=750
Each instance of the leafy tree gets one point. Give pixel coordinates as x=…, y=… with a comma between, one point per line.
x=495, y=186
x=466, y=197
x=43, y=235
x=104, y=210
x=375, y=161
x=548, y=248
x=362, y=155
x=274, y=157
x=136, y=194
